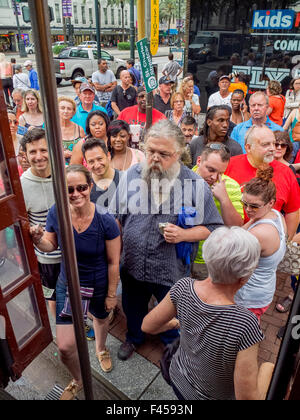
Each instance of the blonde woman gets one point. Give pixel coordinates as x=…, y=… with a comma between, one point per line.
x=32, y=110
x=71, y=133
x=192, y=105
x=177, y=113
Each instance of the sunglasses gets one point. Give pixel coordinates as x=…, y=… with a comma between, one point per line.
x=281, y=145
x=252, y=206
x=79, y=188
x=218, y=146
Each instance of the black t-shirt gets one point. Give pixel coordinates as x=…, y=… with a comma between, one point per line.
x=160, y=105
x=123, y=98
x=97, y=194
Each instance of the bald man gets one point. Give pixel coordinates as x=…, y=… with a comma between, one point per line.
x=260, y=147
x=123, y=95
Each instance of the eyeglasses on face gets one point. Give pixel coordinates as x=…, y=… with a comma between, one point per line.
x=79, y=188
x=254, y=207
x=280, y=145
x=162, y=155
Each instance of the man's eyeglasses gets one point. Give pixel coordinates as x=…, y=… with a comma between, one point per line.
x=79, y=188
x=162, y=155
x=254, y=207
x=218, y=146
x=281, y=145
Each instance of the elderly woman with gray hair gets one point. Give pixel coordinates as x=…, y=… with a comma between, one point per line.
x=217, y=355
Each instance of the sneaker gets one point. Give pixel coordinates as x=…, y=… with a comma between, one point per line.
x=125, y=351
x=90, y=333
x=105, y=360
x=71, y=391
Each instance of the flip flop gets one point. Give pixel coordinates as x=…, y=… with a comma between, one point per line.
x=285, y=304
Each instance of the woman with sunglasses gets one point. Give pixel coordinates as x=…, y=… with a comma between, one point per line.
x=268, y=226
x=284, y=151
x=98, y=244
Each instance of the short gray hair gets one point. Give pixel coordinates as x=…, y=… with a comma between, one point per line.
x=252, y=133
x=230, y=254
x=165, y=129
x=260, y=93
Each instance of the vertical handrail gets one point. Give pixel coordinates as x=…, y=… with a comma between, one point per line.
x=41, y=31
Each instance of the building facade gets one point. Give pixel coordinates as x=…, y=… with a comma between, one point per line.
x=81, y=26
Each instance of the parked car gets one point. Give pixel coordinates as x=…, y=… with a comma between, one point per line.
x=30, y=49
x=75, y=62
x=88, y=44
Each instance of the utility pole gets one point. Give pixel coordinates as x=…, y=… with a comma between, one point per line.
x=132, y=31
x=22, y=50
x=149, y=97
x=98, y=28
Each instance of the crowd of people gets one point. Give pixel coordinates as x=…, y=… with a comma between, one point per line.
x=193, y=214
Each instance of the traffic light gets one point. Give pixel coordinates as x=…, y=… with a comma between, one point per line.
x=26, y=14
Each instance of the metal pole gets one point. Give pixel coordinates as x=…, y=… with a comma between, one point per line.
x=41, y=31
x=98, y=28
x=132, y=31
x=22, y=50
x=149, y=97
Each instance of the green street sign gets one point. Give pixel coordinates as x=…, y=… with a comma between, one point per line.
x=146, y=65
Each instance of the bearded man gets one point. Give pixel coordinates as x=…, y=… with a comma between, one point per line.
x=152, y=198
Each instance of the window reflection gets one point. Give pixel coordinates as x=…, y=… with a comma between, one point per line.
x=5, y=188
x=12, y=261
x=24, y=315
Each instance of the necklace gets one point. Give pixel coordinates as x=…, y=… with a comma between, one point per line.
x=124, y=163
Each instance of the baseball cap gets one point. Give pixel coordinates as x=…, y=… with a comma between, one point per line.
x=79, y=80
x=224, y=77
x=28, y=63
x=165, y=80
x=86, y=86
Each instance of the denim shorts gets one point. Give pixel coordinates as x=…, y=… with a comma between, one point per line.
x=96, y=308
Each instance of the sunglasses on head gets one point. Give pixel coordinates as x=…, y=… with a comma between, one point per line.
x=218, y=146
x=79, y=188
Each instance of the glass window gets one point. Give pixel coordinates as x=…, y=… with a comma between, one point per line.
x=75, y=13
x=5, y=187
x=259, y=42
x=83, y=14
x=57, y=13
x=13, y=266
x=119, y=17
x=24, y=315
x=91, y=15
x=105, y=15
x=112, y=16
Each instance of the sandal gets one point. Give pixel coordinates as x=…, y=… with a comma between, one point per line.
x=71, y=391
x=284, y=305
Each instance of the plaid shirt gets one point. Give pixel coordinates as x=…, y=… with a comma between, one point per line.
x=146, y=255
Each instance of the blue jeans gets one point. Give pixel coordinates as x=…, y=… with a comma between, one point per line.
x=135, y=298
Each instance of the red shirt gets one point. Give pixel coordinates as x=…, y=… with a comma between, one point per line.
x=297, y=159
x=132, y=116
x=288, y=191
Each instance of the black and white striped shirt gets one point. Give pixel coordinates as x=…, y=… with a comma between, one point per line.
x=211, y=337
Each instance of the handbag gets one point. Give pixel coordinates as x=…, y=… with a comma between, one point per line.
x=86, y=295
x=165, y=361
x=291, y=260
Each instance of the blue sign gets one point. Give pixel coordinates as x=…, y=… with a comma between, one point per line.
x=273, y=19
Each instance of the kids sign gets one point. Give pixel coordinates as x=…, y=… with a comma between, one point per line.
x=275, y=19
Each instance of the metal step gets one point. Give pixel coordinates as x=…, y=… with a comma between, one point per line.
x=55, y=393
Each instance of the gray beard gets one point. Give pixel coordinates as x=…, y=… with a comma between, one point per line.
x=148, y=174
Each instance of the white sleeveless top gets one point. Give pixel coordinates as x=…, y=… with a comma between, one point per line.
x=259, y=290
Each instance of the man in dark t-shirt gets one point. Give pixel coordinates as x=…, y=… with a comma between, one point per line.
x=105, y=178
x=162, y=99
x=123, y=95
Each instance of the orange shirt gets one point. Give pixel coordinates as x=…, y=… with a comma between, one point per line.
x=277, y=104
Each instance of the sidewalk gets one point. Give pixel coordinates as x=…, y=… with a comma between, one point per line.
x=139, y=377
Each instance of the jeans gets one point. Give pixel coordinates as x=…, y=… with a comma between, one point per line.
x=135, y=298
